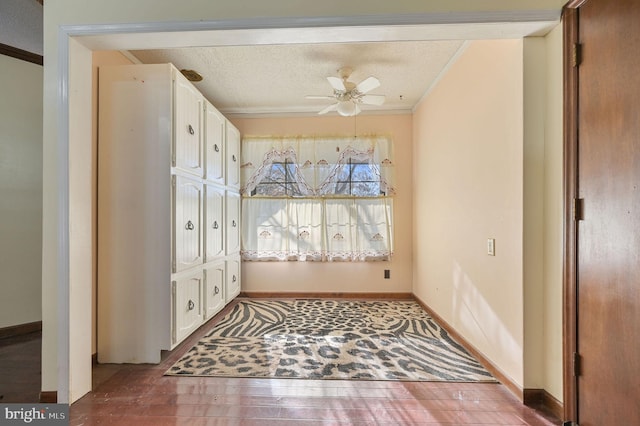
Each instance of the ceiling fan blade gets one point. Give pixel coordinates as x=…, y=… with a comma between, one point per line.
x=337, y=83
x=372, y=99
x=367, y=85
x=329, y=109
x=319, y=97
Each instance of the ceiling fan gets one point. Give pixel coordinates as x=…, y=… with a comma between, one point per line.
x=349, y=96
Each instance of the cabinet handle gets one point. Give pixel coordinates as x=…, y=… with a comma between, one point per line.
x=189, y=226
x=191, y=305
x=215, y=224
x=216, y=148
x=216, y=290
x=190, y=129
x=233, y=157
x=233, y=223
x=234, y=279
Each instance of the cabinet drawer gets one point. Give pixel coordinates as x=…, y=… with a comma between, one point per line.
x=214, y=284
x=187, y=307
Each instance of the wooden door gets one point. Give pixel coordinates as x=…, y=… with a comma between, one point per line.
x=608, y=229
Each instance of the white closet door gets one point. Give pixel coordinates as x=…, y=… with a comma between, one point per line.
x=214, y=278
x=233, y=223
x=187, y=224
x=214, y=146
x=214, y=222
x=187, y=305
x=188, y=108
x=233, y=156
x=233, y=279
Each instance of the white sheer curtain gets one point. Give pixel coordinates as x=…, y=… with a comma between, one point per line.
x=317, y=198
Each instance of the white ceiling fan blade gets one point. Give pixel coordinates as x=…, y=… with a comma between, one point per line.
x=372, y=99
x=367, y=85
x=319, y=97
x=336, y=83
x=329, y=109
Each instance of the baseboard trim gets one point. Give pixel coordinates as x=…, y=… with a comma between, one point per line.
x=20, y=329
x=542, y=398
x=512, y=386
x=49, y=397
x=331, y=295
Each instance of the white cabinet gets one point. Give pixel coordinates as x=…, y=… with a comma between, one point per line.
x=187, y=306
x=214, y=298
x=167, y=256
x=233, y=156
x=187, y=223
x=214, y=145
x=188, y=127
x=232, y=288
x=214, y=222
x=233, y=222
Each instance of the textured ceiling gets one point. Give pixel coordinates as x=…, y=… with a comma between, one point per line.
x=21, y=24
x=274, y=79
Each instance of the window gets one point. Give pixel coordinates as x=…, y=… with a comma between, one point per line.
x=317, y=199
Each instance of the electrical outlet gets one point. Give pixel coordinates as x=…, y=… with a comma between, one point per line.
x=387, y=274
x=491, y=246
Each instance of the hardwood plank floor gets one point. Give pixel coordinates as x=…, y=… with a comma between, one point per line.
x=142, y=395
x=20, y=368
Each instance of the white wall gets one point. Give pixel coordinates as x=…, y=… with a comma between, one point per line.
x=63, y=13
x=20, y=191
x=468, y=187
x=342, y=277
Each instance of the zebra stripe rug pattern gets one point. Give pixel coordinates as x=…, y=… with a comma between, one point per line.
x=330, y=339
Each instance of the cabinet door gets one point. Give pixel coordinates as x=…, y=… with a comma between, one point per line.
x=233, y=222
x=188, y=106
x=214, y=283
x=214, y=146
x=233, y=155
x=187, y=223
x=233, y=279
x=187, y=306
x=214, y=222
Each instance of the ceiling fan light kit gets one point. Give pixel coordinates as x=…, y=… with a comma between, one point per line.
x=348, y=95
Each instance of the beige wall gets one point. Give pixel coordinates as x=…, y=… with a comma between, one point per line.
x=20, y=192
x=553, y=216
x=488, y=164
x=468, y=187
x=346, y=277
x=534, y=88
x=58, y=17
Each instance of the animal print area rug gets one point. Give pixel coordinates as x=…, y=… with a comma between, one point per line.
x=330, y=339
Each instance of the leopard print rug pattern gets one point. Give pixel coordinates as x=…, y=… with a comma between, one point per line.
x=330, y=339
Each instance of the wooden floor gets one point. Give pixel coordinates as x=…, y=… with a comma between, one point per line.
x=20, y=368
x=142, y=395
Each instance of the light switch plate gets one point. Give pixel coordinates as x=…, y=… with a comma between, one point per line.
x=491, y=246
